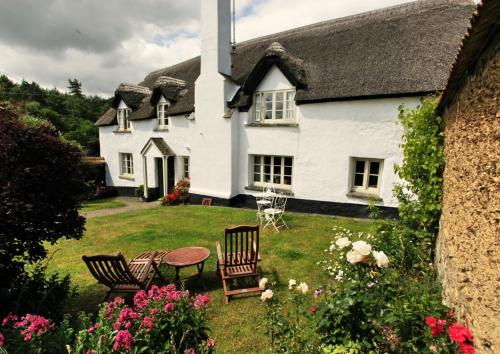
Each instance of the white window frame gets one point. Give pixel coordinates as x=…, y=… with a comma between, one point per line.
x=185, y=167
x=122, y=116
x=261, y=182
x=163, y=119
x=365, y=188
x=126, y=164
x=289, y=109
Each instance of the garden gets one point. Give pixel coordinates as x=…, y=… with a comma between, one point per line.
x=331, y=285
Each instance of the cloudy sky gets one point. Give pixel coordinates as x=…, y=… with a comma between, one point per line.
x=105, y=42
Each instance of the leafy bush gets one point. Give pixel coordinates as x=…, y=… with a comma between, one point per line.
x=163, y=320
x=290, y=320
x=179, y=194
x=41, y=188
x=139, y=191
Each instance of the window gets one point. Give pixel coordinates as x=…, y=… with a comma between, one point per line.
x=123, y=120
x=366, y=175
x=185, y=166
x=275, y=106
x=272, y=170
x=126, y=164
x=161, y=108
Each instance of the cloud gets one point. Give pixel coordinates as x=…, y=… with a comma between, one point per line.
x=105, y=42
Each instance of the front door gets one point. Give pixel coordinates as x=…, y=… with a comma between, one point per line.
x=159, y=176
x=171, y=172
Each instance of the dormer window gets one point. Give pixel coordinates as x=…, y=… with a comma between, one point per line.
x=123, y=119
x=161, y=110
x=275, y=106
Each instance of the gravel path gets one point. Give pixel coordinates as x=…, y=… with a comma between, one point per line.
x=132, y=204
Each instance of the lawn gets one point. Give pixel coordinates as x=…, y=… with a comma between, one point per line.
x=237, y=327
x=98, y=204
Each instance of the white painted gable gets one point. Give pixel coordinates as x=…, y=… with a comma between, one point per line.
x=274, y=80
x=163, y=100
x=122, y=105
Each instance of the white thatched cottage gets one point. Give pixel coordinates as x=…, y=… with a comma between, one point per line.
x=311, y=111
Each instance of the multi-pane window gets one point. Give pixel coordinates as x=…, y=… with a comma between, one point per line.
x=185, y=166
x=272, y=170
x=161, y=108
x=274, y=106
x=126, y=164
x=366, y=175
x=123, y=119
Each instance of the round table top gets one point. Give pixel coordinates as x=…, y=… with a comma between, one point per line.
x=186, y=256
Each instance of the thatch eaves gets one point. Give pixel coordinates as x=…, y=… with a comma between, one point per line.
x=168, y=87
x=404, y=50
x=483, y=37
x=131, y=94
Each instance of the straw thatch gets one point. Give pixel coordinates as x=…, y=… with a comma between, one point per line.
x=483, y=34
x=398, y=51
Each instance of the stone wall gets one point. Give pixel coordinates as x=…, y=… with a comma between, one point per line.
x=468, y=248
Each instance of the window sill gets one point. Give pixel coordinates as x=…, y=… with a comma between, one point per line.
x=126, y=177
x=160, y=129
x=122, y=131
x=257, y=124
x=367, y=196
x=277, y=190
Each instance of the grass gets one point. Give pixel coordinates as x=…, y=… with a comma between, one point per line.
x=237, y=327
x=98, y=204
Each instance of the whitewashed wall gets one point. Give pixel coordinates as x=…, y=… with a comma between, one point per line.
x=112, y=144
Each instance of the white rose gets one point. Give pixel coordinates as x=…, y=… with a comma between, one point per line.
x=354, y=257
x=266, y=295
x=362, y=247
x=340, y=275
x=262, y=283
x=291, y=283
x=343, y=242
x=381, y=258
x=303, y=287
x=332, y=248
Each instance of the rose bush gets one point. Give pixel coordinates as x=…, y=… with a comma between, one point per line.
x=179, y=194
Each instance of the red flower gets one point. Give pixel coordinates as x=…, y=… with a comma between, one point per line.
x=313, y=309
x=436, y=325
x=467, y=349
x=201, y=301
x=147, y=323
x=460, y=334
x=168, y=307
x=9, y=318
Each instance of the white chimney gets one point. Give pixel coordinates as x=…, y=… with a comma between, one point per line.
x=216, y=36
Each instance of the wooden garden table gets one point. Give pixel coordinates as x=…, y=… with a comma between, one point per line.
x=187, y=257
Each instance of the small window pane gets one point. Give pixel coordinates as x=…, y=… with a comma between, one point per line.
x=288, y=170
x=358, y=180
x=287, y=180
x=256, y=177
x=288, y=161
x=360, y=166
x=267, y=160
x=373, y=181
x=374, y=167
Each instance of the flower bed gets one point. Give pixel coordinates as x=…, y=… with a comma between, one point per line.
x=163, y=320
x=178, y=195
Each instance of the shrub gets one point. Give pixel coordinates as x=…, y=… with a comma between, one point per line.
x=179, y=194
x=139, y=191
x=41, y=188
x=163, y=320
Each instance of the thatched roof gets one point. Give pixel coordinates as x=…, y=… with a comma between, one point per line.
x=398, y=51
x=483, y=36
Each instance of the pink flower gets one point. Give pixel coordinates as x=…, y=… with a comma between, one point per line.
x=141, y=300
x=2, y=340
x=210, y=342
x=317, y=293
x=189, y=351
x=123, y=340
x=433, y=348
x=154, y=311
x=174, y=295
x=312, y=309
x=467, y=349
x=38, y=325
x=147, y=323
x=154, y=292
x=10, y=318
x=27, y=337
x=91, y=330
x=436, y=325
x=460, y=334
x=201, y=301
x=451, y=314
x=168, y=307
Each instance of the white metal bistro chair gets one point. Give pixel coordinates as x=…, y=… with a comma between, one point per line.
x=264, y=201
x=274, y=215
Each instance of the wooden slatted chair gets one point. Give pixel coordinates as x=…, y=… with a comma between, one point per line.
x=120, y=277
x=239, y=259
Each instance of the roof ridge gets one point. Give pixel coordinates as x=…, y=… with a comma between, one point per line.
x=424, y=5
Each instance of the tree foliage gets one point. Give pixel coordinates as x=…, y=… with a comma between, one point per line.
x=72, y=114
x=41, y=188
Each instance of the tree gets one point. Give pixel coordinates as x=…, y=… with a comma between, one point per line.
x=41, y=187
x=75, y=87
